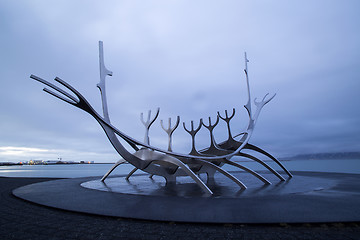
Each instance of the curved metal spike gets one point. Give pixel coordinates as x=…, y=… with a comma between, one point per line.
x=170, y=131
x=257, y=149
x=211, y=126
x=263, y=101
x=264, y=180
x=270, y=98
x=262, y=163
x=131, y=173
x=58, y=96
x=222, y=171
x=148, y=124
x=55, y=88
x=193, y=132
x=112, y=169
x=213, y=148
x=227, y=118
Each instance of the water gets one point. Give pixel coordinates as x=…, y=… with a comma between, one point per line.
x=61, y=170
x=86, y=170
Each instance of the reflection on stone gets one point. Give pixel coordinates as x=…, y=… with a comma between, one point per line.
x=221, y=186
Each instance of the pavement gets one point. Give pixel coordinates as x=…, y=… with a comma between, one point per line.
x=20, y=219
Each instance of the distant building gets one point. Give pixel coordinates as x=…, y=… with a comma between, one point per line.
x=86, y=162
x=51, y=161
x=36, y=162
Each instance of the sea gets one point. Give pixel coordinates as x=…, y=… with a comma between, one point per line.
x=87, y=170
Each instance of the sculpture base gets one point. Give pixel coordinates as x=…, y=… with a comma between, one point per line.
x=307, y=197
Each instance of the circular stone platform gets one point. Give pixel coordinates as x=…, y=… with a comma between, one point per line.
x=307, y=197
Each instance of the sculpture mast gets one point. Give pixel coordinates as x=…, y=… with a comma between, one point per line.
x=101, y=85
x=248, y=104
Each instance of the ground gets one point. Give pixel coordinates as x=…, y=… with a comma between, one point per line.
x=24, y=220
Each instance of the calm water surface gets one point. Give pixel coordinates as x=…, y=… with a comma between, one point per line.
x=86, y=170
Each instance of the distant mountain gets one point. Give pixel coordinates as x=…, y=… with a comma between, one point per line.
x=318, y=156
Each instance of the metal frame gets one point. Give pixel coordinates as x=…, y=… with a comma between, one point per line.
x=167, y=163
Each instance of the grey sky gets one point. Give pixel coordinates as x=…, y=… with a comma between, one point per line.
x=185, y=57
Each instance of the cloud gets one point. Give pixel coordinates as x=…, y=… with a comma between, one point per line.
x=185, y=57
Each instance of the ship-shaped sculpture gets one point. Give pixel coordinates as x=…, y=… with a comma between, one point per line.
x=166, y=163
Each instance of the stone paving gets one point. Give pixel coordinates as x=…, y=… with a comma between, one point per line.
x=24, y=220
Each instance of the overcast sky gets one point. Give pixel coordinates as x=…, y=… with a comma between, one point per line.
x=186, y=57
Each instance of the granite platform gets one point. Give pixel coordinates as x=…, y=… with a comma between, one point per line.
x=309, y=197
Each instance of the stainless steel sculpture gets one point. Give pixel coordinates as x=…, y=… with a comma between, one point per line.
x=167, y=163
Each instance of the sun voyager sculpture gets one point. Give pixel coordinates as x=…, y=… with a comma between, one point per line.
x=165, y=162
